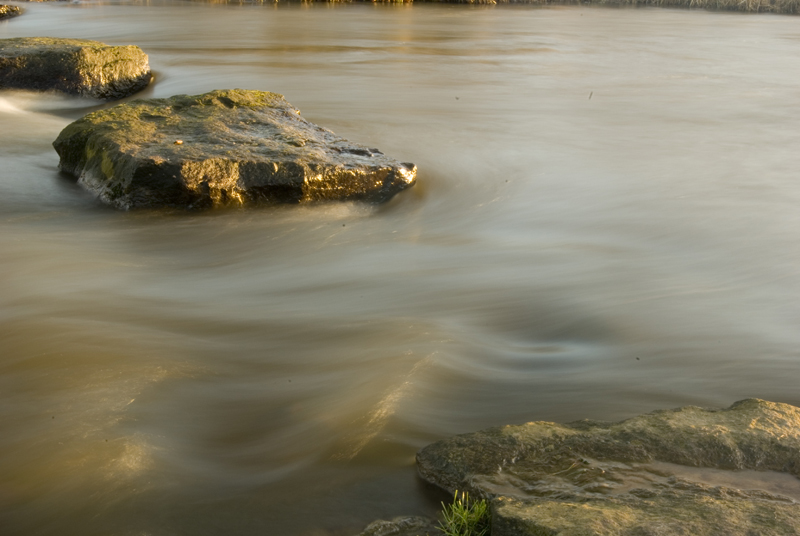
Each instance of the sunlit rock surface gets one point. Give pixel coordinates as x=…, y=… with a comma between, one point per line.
x=231, y=147
x=7, y=12
x=73, y=66
x=689, y=471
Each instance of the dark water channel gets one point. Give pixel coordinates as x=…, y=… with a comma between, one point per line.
x=252, y=372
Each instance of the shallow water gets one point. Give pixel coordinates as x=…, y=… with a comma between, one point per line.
x=605, y=223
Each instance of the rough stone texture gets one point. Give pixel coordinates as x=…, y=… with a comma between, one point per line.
x=6, y=12
x=231, y=147
x=593, y=478
x=402, y=526
x=73, y=66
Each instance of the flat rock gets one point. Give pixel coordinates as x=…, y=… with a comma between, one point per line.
x=6, y=12
x=689, y=471
x=73, y=66
x=226, y=147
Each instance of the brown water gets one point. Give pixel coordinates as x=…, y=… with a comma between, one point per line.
x=253, y=372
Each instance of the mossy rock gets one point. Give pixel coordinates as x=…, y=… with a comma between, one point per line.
x=226, y=147
x=6, y=12
x=73, y=66
x=638, y=477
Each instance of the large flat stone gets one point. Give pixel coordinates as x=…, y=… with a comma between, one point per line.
x=73, y=66
x=227, y=147
x=689, y=471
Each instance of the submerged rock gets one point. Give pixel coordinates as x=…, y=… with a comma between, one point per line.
x=229, y=147
x=637, y=477
x=6, y=12
x=73, y=66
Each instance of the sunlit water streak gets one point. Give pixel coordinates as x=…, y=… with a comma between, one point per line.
x=274, y=371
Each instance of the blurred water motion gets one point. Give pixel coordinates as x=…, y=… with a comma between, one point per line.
x=274, y=371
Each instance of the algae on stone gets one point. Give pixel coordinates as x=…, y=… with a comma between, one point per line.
x=226, y=147
x=73, y=66
x=631, y=478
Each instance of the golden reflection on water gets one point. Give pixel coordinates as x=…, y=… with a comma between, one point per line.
x=377, y=419
x=135, y=458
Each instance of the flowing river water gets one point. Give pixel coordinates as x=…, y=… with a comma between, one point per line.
x=606, y=222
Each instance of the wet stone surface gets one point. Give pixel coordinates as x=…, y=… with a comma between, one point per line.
x=73, y=66
x=689, y=471
x=226, y=147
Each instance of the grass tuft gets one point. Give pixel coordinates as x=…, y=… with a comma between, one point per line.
x=464, y=517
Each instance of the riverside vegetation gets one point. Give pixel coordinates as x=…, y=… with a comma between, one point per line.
x=464, y=517
x=461, y=517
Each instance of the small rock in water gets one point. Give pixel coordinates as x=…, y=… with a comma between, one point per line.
x=637, y=477
x=226, y=147
x=73, y=66
x=6, y=12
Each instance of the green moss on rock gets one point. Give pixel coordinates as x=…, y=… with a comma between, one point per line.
x=73, y=66
x=226, y=147
x=632, y=478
